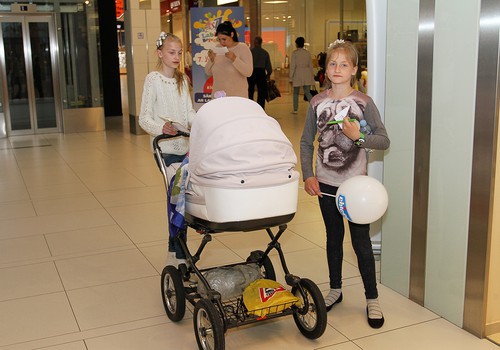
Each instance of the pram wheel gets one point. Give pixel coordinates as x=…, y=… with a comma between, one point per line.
x=266, y=265
x=172, y=293
x=311, y=318
x=208, y=326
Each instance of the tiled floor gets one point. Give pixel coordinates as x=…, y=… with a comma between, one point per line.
x=83, y=242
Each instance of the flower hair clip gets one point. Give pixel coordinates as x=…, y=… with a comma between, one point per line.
x=336, y=42
x=162, y=37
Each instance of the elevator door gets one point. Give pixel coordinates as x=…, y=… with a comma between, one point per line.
x=27, y=62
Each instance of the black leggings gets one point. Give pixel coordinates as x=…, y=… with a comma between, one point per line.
x=361, y=242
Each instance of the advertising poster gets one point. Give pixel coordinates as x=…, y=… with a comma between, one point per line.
x=204, y=22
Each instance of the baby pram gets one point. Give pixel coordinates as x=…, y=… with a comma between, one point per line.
x=241, y=177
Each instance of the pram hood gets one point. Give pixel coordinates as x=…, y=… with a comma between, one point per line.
x=235, y=144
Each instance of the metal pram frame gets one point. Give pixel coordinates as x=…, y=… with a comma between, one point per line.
x=213, y=316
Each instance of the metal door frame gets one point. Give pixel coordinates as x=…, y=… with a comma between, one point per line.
x=54, y=54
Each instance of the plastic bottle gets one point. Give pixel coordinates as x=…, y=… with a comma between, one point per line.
x=364, y=127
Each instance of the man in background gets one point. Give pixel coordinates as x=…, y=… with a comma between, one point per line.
x=262, y=70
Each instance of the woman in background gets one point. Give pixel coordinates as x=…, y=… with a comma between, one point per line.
x=231, y=69
x=301, y=72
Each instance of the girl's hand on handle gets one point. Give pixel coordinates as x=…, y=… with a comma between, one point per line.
x=169, y=129
x=311, y=186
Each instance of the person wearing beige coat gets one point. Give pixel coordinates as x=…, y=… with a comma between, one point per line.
x=301, y=72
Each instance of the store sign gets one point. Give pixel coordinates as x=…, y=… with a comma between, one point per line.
x=175, y=6
x=119, y=9
x=168, y=7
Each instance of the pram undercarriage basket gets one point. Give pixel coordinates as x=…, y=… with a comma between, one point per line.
x=213, y=313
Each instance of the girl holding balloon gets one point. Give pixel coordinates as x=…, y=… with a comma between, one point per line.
x=334, y=115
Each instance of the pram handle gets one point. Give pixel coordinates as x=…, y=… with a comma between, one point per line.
x=158, y=138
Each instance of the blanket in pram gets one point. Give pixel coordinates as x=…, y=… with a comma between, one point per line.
x=176, y=199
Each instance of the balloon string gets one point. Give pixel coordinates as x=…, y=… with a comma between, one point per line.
x=328, y=194
x=323, y=193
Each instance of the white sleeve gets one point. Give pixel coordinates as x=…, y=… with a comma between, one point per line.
x=147, y=119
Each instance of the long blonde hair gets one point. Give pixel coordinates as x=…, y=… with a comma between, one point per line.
x=180, y=77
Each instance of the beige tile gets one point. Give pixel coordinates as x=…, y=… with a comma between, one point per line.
x=281, y=333
x=349, y=317
x=12, y=192
x=307, y=212
x=312, y=264
x=29, y=280
x=80, y=345
x=258, y=240
x=214, y=254
x=103, y=268
x=432, y=335
x=22, y=249
x=58, y=190
x=49, y=175
x=312, y=231
x=55, y=223
x=158, y=337
x=75, y=155
x=76, y=220
x=108, y=179
x=13, y=210
x=131, y=196
x=87, y=240
x=343, y=346
x=116, y=303
x=149, y=175
x=142, y=223
x=66, y=204
x=35, y=318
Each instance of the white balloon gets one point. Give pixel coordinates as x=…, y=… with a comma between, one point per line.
x=362, y=199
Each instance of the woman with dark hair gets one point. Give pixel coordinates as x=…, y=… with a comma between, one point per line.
x=230, y=63
x=301, y=72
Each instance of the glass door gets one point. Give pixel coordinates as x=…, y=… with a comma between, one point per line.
x=27, y=60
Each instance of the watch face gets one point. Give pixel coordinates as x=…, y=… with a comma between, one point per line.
x=359, y=142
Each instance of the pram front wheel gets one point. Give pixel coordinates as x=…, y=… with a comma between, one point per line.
x=310, y=318
x=208, y=326
x=266, y=265
x=172, y=293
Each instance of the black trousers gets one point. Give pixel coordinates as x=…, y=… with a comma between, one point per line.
x=360, y=239
x=258, y=78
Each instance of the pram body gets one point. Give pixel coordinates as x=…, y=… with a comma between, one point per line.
x=241, y=177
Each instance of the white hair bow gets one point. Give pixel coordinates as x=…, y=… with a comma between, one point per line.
x=162, y=37
x=335, y=43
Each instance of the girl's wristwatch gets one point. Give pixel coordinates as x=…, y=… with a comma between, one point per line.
x=361, y=140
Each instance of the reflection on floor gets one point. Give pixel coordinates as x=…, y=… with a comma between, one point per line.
x=83, y=242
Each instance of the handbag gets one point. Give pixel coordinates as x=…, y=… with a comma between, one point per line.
x=272, y=90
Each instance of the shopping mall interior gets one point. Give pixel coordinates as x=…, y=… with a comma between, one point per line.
x=82, y=203
x=83, y=244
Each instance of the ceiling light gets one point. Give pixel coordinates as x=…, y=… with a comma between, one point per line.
x=276, y=2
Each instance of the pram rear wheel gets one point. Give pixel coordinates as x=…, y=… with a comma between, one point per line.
x=266, y=265
x=208, y=326
x=172, y=293
x=310, y=318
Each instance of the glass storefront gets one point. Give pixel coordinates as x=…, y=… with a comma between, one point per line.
x=48, y=74
x=320, y=22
